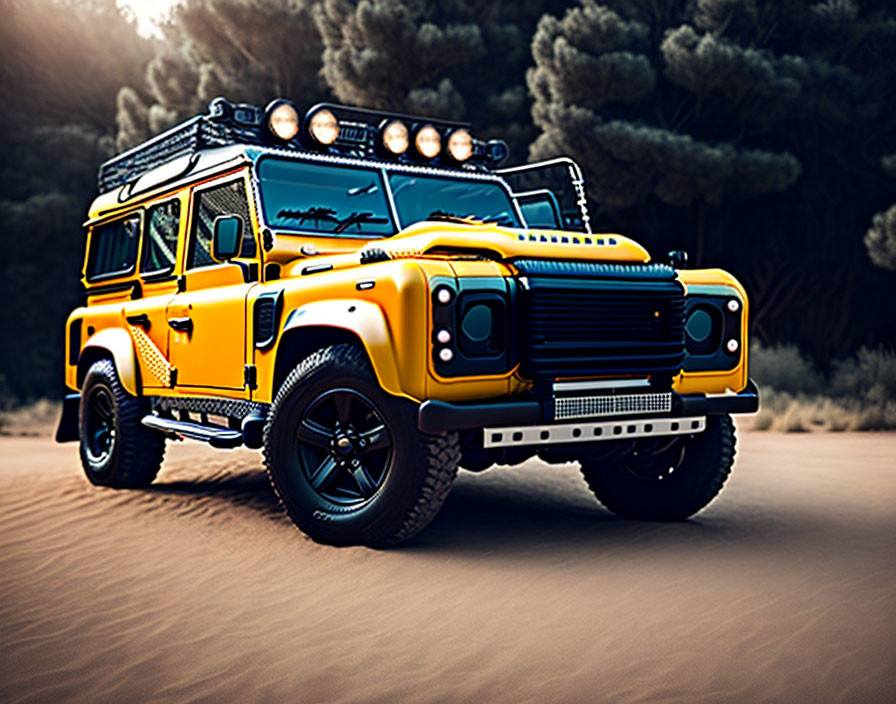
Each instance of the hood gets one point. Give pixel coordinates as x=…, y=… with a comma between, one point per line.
x=497, y=242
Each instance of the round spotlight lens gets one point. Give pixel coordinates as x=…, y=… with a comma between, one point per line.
x=699, y=325
x=460, y=145
x=733, y=305
x=443, y=295
x=428, y=142
x=732, y=346
x=446, y=355
x=324, y=127
x=283, y=121
x=443, y=336
x=395, y=137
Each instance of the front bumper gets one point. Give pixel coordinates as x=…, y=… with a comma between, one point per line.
x=440, y=416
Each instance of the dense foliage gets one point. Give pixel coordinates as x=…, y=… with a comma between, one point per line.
x=758, y=135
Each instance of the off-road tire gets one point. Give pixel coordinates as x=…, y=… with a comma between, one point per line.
x=418, y=475
x=135, y=452
x=706, y=464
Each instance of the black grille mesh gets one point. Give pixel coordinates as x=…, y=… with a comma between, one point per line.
x=595, y=319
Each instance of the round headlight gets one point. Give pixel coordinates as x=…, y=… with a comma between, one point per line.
x=460, y=145
x=283, y=120
x=477, y=323
x=395, y=137
x=324, y=127
x=699, y=325
x=428, y=142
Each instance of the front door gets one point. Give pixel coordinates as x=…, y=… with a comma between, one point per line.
x=207, y=320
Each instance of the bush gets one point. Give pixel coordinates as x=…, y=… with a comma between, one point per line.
x=795, y=397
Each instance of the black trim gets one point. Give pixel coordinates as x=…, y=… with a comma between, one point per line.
x=67, y=431
x=119, y=287
x=747, y=401
x=74, y=341
x=440, y=416
x=142, y=319
x=155, y=277
x=316, y=268
x=266, y=313
x=250, y=376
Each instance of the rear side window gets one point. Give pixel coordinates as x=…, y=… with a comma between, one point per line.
x=113, y=248
x=160, y=238
x=228, y=199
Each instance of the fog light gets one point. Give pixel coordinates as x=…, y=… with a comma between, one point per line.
x=395, y=137
x=443, y=336
x=324, y=127
x=428, y=142
x=446, y=355
x=460, y=145
x=732, y=346
x=283, y=120
x=733, y=305
x=443, y=295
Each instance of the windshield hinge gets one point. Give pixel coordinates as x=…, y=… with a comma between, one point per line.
x=250, y=377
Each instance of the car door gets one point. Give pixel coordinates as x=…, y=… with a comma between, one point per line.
x=207, y=319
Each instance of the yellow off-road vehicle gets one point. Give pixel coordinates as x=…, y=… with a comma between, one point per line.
x=372, y=301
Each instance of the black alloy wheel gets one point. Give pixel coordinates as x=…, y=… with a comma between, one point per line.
x=100, y=424
x=344, y=447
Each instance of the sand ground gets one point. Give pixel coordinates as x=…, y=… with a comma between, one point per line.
x=523, y=589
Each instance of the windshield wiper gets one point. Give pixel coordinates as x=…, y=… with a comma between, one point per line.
x=357, y=218
x=500, y=219
x=316, y=213
x=451, y=217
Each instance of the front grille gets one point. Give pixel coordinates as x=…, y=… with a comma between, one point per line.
x=597, y=319
x=629, y=404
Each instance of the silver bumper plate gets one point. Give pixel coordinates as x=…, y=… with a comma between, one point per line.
x=591, y=432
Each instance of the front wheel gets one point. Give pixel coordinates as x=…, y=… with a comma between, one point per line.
x=346, y=458
x=666, y=479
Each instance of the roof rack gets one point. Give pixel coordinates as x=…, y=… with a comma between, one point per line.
x=228, y=124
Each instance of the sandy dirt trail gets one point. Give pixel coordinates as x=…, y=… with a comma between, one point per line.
x=523, y=589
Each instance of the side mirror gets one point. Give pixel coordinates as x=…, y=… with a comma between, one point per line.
x=227, y=238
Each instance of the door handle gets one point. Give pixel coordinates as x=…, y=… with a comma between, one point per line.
x=181, y=324
x=142, y=320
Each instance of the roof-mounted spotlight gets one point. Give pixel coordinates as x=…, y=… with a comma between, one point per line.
x=460, y=145
x=282, y=119
x=394, y=137
x=428, y=142
x=496, y=151
x=323, y=127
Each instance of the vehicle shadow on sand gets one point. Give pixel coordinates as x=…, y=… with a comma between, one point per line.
x=521, y=510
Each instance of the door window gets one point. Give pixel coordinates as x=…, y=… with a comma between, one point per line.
x=160, y=238
x=227, y=199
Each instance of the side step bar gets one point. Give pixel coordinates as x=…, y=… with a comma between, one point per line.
x=591, y=432
x=214, y=436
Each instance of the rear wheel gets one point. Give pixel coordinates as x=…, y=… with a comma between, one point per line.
x=666, y=479
x=116, y=449
x=346, y=458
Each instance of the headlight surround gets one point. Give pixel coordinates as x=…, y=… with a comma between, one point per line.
x=471, y=320
x=713, y=333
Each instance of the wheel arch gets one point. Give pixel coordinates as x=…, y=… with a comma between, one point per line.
x=114, y=344
x=325, y=323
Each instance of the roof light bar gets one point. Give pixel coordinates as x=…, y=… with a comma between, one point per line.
x=428, y=142
x=394, y=137
x=282, y=119
x=323, y=127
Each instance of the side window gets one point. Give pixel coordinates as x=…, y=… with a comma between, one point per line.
x=113, y=248
x=160, y=238
x=228, y=199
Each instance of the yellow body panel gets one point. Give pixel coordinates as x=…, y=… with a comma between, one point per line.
x=384, y=305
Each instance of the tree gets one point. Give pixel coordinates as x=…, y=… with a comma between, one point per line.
x=458, y=59
x=740, y=129
x=881, y=237
x=246, y=50
x=62, y=63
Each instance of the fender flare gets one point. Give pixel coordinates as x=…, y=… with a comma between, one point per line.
x=364, y=320
x=117, y=344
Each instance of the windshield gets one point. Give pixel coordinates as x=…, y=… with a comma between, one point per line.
x=321, y=198
x=418, y=197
